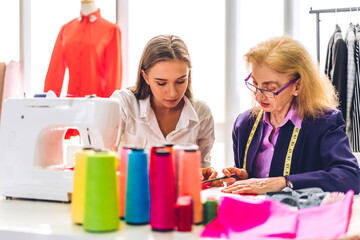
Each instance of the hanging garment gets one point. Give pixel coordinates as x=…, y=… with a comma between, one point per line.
x=355, y=107
x=251, y=218
x=90, y=47
x=13, y=84
x=336, y=66
x=351, y=72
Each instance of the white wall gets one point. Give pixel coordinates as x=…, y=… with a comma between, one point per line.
x=202, y=25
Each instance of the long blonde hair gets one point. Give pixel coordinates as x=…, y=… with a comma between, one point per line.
x=158, y=49
x=285, y=55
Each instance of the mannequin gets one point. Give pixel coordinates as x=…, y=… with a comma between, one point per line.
x=87, y=7
x=88, y=46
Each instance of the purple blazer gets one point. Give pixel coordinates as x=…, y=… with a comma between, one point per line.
x=322, y=155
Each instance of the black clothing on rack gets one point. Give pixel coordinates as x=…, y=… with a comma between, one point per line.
x=336, y=66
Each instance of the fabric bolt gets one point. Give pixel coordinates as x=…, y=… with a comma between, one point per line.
x=322, y=156
x=269, y=219
x=336, y=66
x=267, y=147
x=351, y=71
x=90, y=47
x=139, y=125
x=355, y=107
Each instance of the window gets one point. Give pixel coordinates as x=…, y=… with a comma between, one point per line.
x=10, y=29
x=201, y=24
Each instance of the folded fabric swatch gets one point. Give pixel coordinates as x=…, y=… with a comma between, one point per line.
x=301, y=198
x=252, y=218
x=326, y=221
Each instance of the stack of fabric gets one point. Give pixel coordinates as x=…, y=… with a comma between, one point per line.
x=242, y=217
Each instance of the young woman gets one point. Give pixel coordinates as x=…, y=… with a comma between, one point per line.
x=160, y=108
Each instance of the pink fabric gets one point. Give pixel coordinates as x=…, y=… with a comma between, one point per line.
x=251, y=218
x=328, y=221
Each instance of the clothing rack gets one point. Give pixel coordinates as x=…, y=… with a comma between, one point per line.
x=332, y=10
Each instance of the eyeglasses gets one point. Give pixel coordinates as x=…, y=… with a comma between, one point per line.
x=267, y=93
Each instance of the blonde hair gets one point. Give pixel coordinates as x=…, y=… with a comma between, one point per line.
x=158, y=49
x=287, y=56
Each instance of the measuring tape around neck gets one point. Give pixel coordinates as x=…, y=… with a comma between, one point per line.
x=290, y=150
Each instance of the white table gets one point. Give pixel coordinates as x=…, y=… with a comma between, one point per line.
x=28, y=220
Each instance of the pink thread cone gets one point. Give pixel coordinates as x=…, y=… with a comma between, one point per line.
x=190, y=180
x=178, y=149
x=162, y=192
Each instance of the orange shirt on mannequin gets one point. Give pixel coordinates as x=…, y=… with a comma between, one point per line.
x=90, y=47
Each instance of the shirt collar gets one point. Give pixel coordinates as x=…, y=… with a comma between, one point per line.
x=291, y=115
x=92, y=17
x=188, y=111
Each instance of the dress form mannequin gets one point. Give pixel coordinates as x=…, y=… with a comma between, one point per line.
x=88, y=7
x=89, y=47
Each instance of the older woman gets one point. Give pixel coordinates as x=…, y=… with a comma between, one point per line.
x=294, y=136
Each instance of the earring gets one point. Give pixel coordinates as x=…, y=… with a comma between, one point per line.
x=295, y=94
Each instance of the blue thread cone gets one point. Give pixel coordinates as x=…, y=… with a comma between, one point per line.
x=137, y=210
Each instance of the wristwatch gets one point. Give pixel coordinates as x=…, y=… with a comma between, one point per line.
x=288, y=183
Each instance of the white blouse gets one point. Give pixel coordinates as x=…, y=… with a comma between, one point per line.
x=139, y=126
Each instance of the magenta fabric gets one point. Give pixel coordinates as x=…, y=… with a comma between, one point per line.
x=251, y=218
x=325, y=222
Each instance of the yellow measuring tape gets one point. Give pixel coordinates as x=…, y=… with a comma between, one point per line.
x=290, y=151
x=252, y=135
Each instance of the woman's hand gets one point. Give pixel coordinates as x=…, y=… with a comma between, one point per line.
x=210, y=173
x=240, y=174
x=256, y=186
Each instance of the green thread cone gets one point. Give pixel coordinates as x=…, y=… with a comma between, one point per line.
x=101, y=201
x=210, y=211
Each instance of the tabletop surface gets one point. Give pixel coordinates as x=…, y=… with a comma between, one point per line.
x=31, y=219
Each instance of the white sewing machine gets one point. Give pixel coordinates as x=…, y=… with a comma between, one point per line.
x=31, y=142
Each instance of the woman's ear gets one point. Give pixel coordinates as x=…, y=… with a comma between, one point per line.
x=145, y=77
x=297, y=87
x=298, y=82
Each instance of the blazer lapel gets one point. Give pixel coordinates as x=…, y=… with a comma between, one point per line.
x=281, y=148
x=254, y=147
